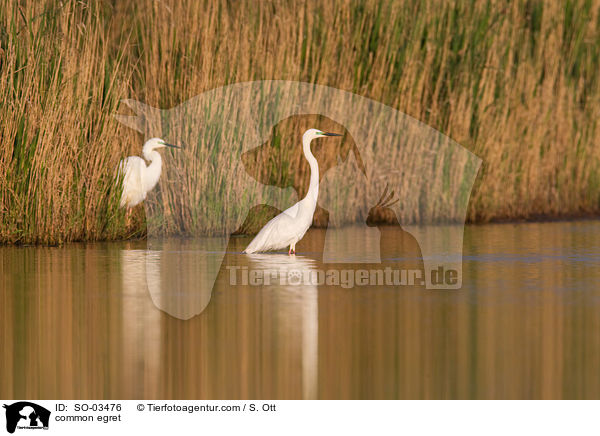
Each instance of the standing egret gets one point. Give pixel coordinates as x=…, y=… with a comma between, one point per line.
x=139, y=179
x=289, y=226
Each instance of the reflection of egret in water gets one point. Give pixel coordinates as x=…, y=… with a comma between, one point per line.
x=141, y=325
x=308, y=300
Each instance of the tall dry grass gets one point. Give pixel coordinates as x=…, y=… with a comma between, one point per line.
x=516, y=83
x=60, y=81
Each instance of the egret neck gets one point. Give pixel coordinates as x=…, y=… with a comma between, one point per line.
x=313, y=189
x=153, y=170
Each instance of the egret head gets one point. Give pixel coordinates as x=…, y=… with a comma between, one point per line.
x=311, y=134
x=154, y=143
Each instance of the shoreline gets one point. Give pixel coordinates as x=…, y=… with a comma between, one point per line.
x=541, y=219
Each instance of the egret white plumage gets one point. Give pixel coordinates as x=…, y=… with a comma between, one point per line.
x=289, y=226
x=139, y=179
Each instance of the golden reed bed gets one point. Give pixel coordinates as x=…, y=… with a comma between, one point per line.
x=517, y=85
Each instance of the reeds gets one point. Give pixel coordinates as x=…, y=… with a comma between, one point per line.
x=515, y=83
x=60, y=81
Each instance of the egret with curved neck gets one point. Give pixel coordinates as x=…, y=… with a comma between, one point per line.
x=287, y=228
x=139, y=179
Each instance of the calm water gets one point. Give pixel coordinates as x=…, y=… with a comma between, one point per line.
x=79, y=322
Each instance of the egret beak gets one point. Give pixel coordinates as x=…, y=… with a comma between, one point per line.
x=171, y=145
x=331, y=134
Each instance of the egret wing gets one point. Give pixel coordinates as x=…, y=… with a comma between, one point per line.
x=276, y=234
x=131, y=169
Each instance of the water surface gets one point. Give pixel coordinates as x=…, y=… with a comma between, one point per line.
x=79, y=322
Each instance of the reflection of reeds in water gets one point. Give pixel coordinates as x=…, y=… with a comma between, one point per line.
x=60, y=313
x=543, y=312
x=517, y=84
x=180, y=274
x=525, y=325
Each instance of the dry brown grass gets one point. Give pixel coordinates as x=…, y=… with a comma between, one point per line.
x=515, y=83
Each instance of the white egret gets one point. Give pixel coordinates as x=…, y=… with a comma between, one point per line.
x=139, y=179
x=289, y=226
